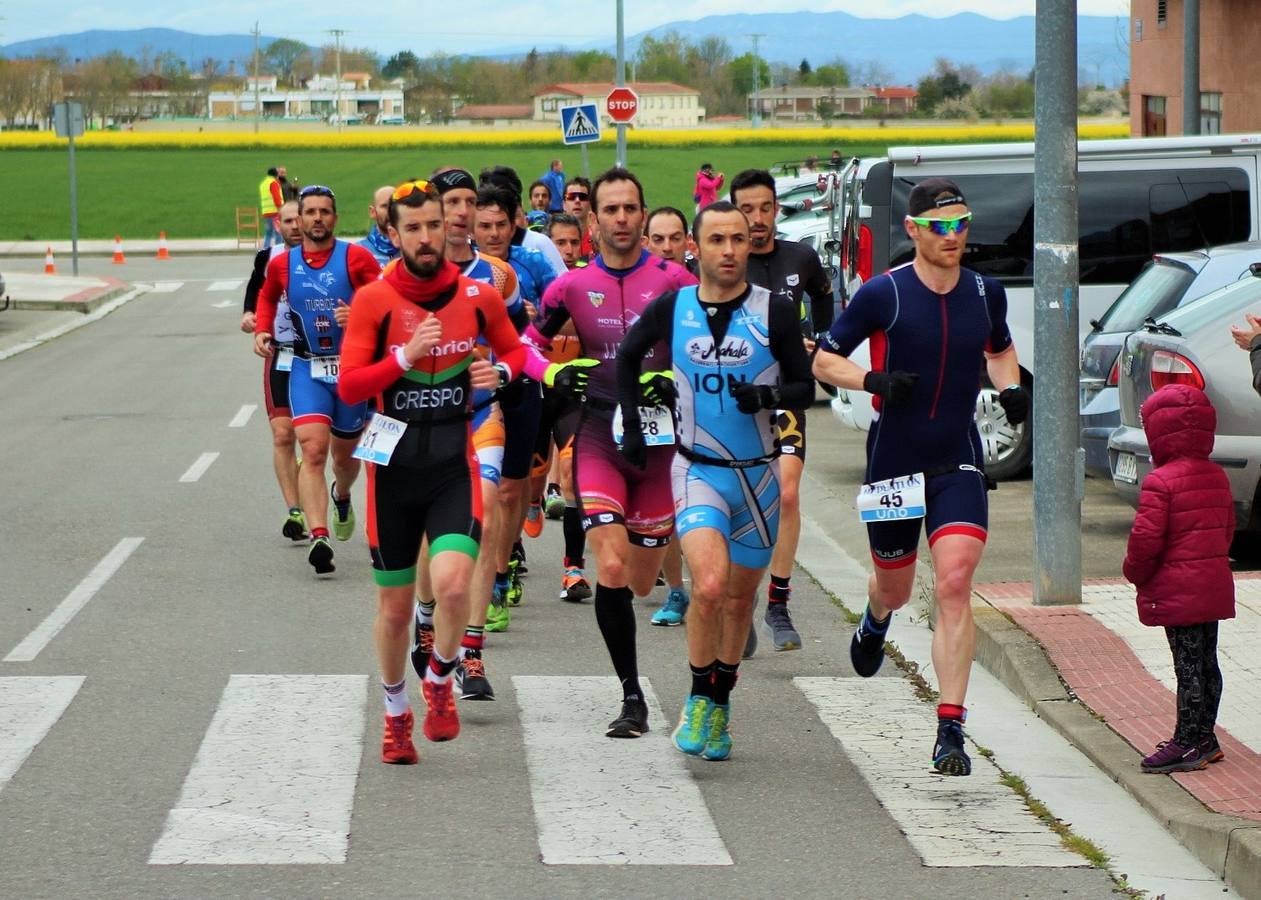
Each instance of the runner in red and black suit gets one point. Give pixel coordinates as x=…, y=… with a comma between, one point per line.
x=410, y=343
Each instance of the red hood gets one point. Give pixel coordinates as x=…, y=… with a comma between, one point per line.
x=1180, y=423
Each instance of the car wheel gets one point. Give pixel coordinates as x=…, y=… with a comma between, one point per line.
x=1008, y=448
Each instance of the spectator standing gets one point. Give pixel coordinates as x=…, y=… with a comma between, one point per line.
x=708, y=184
x=270, y=198
x=554, y=179
x=1178, y=558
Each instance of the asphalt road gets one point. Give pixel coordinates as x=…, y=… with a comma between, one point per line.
x=101, y=425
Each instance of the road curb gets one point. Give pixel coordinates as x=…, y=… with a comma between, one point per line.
x=1228, y=845
x=85, y=301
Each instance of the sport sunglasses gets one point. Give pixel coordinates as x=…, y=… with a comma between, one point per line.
x=407, y=188
x=317, y=190
x=943, y=227
x=577, y=195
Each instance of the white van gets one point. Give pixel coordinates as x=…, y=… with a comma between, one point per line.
x=1137, y=197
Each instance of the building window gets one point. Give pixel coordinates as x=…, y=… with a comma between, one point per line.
x=549, y=104
x=1162, y=12
x=1211, y=113
x=1153, y=116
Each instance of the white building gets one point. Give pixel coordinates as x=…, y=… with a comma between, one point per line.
x=359, y=101
x=662, y=104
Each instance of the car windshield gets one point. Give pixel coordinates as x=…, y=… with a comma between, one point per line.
x=1152, y=293
x=1227, y=301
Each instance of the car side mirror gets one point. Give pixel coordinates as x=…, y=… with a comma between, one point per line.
x=1255, y=269
x=833, y=246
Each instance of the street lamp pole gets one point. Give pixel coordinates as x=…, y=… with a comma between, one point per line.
x=621, y=82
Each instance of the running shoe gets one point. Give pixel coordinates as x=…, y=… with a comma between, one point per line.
x=661, y=580
x=718, y=742
x=866, y=650
x=295, y=526
x=949, y=757
x=442, y=722
x=422, y=647
x=397, y=748
x=516, y=562
x=343, y=526
x=780, y=626
x=470, y=678
x=516, y=590
x=1210, y=749
x=554, y=503
x=320, y=556
x=690, y=734
x=497, y=614
x=673, y=610
x=750, y=645
x=574, y=587
x=534, y=518
x=633, y=722
x=1170, y=756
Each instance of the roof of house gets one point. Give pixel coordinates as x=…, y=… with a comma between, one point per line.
x=897, y=93
x=494, y=111
x=600, y=88
x=772, y=93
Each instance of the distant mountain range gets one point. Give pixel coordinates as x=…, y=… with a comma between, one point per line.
x=905, y=48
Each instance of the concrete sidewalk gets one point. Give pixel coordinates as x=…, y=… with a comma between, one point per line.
x=70, y=293
x=1106, y=683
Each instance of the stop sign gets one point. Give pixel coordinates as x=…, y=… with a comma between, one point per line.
x=622, y=103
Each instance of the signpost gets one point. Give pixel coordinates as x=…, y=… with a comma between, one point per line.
x=68, y=123
x=580, y=125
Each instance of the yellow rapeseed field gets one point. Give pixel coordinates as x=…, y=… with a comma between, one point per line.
x=436, y=139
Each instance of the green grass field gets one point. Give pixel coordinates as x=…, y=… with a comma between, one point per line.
x=193, y=193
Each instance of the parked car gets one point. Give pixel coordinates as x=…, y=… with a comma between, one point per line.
x=1193, y=345
x=1172, y=280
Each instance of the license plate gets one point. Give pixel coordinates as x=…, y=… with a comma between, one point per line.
x=1126, y=468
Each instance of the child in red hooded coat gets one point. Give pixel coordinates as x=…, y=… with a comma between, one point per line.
x=1178, y=559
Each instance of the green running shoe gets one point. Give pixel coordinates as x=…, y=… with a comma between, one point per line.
x=343, y=527
x=718, y=743
x=554, y=503
x=498, y=616
x=516, y=592
x=690, y=734
x=295, y=526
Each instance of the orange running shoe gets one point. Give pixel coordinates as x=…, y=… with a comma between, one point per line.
x=533, y=526
x=396, y=747
x=442, y=722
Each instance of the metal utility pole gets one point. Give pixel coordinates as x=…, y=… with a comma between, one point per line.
x=755, y=120
x=1191, y=67
x=337, y=84
x=621, y=82
x=1058, y=462
x=258, y=112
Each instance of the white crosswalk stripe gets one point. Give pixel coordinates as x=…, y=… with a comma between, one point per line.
x=257, y=796
x=166, y=287
x=29, y=707
x=231, y=285
x=645, y=810
x=973, y=821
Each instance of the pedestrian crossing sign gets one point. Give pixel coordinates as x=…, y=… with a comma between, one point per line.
x=580, y=124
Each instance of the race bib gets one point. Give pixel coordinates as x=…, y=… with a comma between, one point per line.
x=284, y=359
x=656, y=423
x=895, y=498
x=379, y=439
x=324, y=368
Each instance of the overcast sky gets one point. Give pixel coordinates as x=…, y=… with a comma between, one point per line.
x=474, y=25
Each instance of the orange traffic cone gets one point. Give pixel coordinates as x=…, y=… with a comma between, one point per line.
x=50, y=267
x=163, y=253
x=119, y=259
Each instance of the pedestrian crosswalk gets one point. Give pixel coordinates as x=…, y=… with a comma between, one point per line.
x=256, y=795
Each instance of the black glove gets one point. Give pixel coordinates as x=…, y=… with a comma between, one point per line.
x=1014, y=400
x=633, y=448
x=658, y=389
x=752, y=398
x=895, y=387
x=570, y=379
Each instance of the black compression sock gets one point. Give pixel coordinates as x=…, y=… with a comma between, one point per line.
x=575, y=540
x=616, y=618
x=725, y=675
x=703, y=680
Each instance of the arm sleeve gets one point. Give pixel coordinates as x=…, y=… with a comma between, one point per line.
x=361, y=265
x=552, y=315
x=819, y=290
x=862, y=318
x=257, y=277
x=1000, y=334
x=277, y=194
x=274, y=285
x=1147, y=536
x=500, y=334
x=361, y=375
x=796, y=381
x=656, y=324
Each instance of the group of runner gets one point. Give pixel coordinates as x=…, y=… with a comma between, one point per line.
x=636, y=379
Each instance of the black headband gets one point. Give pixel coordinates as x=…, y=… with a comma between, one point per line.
x=452, y=179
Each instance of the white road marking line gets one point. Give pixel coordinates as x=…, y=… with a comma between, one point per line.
x=974, y=821
x=29, y=707
x=72, y=324
x=604, y=802
x=78, y=598
x=224, y=285
x=257, y=796
x=243, y=415
x=223, y=304
x=166, y=287
x=198, y=468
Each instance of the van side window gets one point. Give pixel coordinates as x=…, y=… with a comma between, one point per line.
x=1124, y=218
